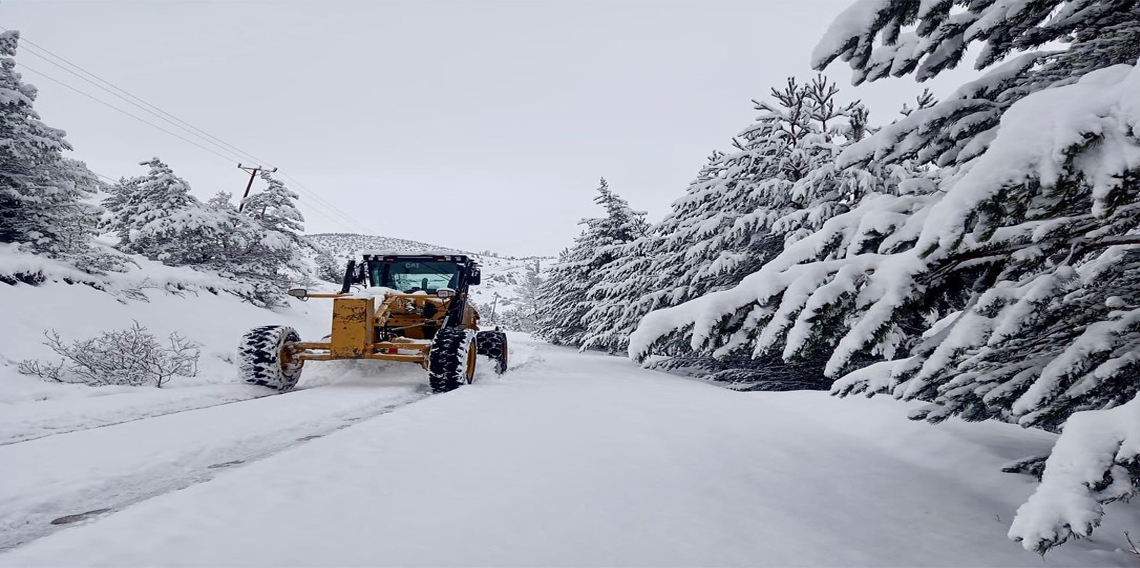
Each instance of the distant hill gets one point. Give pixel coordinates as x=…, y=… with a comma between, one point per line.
x=501, y=276
x=348, y=245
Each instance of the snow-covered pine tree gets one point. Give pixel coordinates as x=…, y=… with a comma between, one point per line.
x=155, y=215
x=523, y=315
x=151, y=214
x=325, y=266
x=743, y=208
x=275, y=208
x=563, y=295
x=1009, y=293
x=40, y=190
x=221, y=200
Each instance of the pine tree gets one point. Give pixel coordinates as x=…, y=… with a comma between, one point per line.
x=743, y=209
x=564, y=294
x=40, y=191
x=221, y=200
x=274, y=207
x=156, y=216
x=528, y=304
x=150, y=214
x=1008, y=292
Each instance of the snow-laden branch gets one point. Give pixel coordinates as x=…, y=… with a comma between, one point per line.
x=1092, y=464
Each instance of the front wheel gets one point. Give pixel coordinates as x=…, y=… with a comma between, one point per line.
x=451, y=361
x=493, y=344
x=264, y=357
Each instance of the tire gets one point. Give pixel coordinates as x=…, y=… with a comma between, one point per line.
x=493, y=344
x=451, y=361
x=262, y=358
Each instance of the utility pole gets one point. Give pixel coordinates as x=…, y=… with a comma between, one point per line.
x=494, y=305
x=253, y=171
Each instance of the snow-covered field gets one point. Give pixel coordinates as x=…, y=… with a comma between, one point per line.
x=568, y=460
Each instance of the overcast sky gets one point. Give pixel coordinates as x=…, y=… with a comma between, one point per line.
x=476, y=125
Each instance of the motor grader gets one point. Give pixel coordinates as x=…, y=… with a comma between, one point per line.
x=410, y=308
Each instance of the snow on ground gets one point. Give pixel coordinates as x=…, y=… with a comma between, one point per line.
x=31, y=407
x=568, y=460
x=31, y=420
x=113, y=466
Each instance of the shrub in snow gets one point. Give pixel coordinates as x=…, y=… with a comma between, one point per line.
x=131, y=356
x=40, y=190
x=1002, y=285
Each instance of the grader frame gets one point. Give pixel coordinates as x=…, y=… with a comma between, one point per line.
x=352, y=337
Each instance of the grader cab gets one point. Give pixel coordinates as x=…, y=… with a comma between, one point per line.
x=391, y=307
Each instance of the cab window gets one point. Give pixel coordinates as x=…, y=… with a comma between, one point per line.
x=415, y=275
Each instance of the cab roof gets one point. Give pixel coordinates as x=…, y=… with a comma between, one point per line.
x=441, y=256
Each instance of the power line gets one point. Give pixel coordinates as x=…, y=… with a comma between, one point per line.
x=312, y=207
x=108, y=178
x=300, y=186
x=111, y=106
x=206, y=139
x=174, y=121
x=142, y=104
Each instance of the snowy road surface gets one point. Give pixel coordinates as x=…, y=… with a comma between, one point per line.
x=568, y=460
x=45, y=418
x=114, y=466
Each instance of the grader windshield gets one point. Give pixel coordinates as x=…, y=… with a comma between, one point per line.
x=414, y=275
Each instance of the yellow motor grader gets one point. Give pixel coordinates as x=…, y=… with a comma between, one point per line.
x=413, y=310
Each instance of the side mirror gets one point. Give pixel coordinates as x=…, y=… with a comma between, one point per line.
x=353, y=274
x=349, y=276
x=299, y=293
x=445, y=293
x=476, y=277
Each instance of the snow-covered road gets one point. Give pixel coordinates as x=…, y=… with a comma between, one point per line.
x=568, y=460
x=99, y=467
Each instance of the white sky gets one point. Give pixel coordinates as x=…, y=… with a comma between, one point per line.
x=477, y=125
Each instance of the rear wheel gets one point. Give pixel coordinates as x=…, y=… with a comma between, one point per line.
x=451, y=361
x=264, y=357
x=493, y=344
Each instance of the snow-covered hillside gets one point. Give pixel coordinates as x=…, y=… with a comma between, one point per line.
x=502, y=276
x=345, y=246
x=203, y=307
x=569, y=459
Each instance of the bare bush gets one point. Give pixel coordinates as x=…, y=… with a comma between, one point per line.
x=131, y=356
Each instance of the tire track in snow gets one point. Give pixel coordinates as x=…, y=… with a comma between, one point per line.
x=104, y=469
x=38, y=431
x=19, y=433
